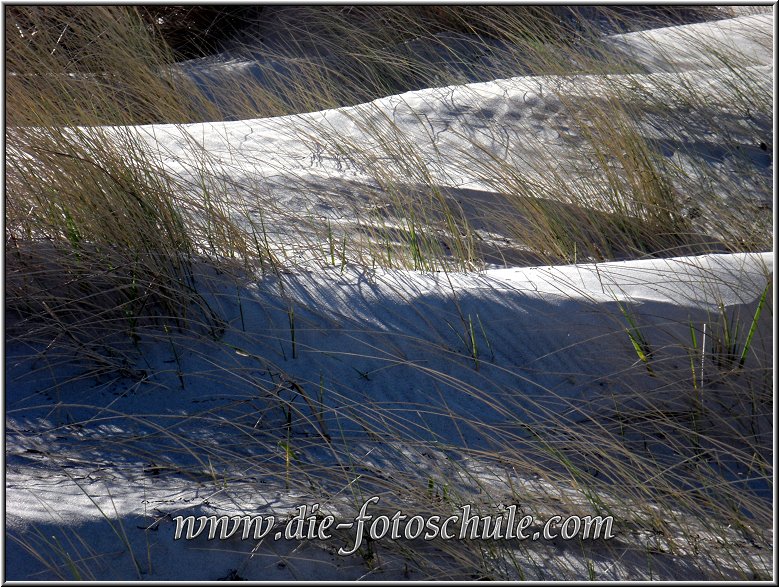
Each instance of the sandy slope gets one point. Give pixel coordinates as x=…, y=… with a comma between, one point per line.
x=333, y=166
x=679, y=48
x=416, y=375
x=386, y=347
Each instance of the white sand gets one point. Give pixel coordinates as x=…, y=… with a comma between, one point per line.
x=96, y=466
